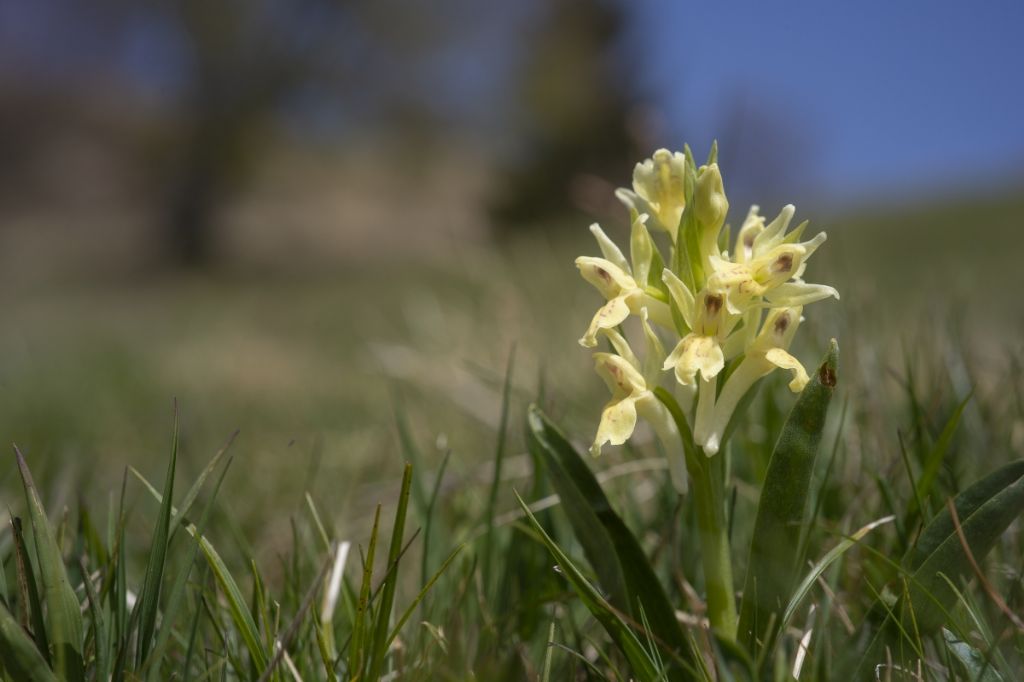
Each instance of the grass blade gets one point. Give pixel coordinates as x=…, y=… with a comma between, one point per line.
x=149, y=600
x=63, y=615
x=177, y=595
x=240, y=614
x=423, y=593
x=31, y=604
x=499, y=457
x=782, y=511
x=379, y=646
x=356, y=654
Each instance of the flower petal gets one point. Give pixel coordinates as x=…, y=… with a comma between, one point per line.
x=610, y=315
x=622, y=347
x=606, y=276
x=775, y=231
x=696, y=354
x=619, y=374
x=641, y=249
x=681, y=294
x=752, y=226
x=799, y=294
x=781, y=358
x=609, y=250
x=617, y=423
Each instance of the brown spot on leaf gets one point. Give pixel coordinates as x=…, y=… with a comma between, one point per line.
x=827, y=376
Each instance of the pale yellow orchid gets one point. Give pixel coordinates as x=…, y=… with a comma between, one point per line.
x=631, y=384
x=624, y=287
x=700, y=351
x=659, y=189
x=768, y=351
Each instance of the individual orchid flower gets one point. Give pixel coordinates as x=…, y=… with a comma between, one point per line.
x=768, y=351
x=767, y=267
x=631, y=384
x=700, y=351
x=624, y=287
x=659, y=189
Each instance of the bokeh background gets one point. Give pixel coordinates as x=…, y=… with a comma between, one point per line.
x=301, y=218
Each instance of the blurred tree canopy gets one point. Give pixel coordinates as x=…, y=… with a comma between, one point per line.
x=573, y=108
x=185, y=100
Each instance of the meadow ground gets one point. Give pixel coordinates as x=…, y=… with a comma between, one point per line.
x=334, y=377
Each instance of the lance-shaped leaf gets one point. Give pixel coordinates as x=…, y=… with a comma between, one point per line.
x=611, y=548
x=938, y=561
x=63, y=614
x=984, y=511
x=775, y=564
x=18, y=653
x=644, y=668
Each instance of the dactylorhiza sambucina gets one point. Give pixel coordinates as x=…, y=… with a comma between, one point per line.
x=738, y=308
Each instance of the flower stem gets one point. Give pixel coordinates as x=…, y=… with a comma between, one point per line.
x=709, y=498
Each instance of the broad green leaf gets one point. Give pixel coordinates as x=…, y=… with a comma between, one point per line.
x=643, y=667
x=985, y=510
x=774, y=565
x=976, y=665
x=63, y=614
x=18, y=653
x=609, y=545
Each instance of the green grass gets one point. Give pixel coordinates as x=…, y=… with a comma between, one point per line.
x=199, y=571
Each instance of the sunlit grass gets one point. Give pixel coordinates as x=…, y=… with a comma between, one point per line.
x=317, y=378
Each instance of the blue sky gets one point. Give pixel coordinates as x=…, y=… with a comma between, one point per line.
x=891, y=96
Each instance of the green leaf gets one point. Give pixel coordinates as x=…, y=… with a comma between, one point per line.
x=933, y=462
x=356, y=653
x=21, y=659
x=985, y=510
x=149, y=600
x=781, y=513
x=63, y=615
x=177, y=595
x=380, y=644
x=29, y=591
x=622, y=567
x=643, y=667
x=423, y=593
x=975, y=664
x=240, y=614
